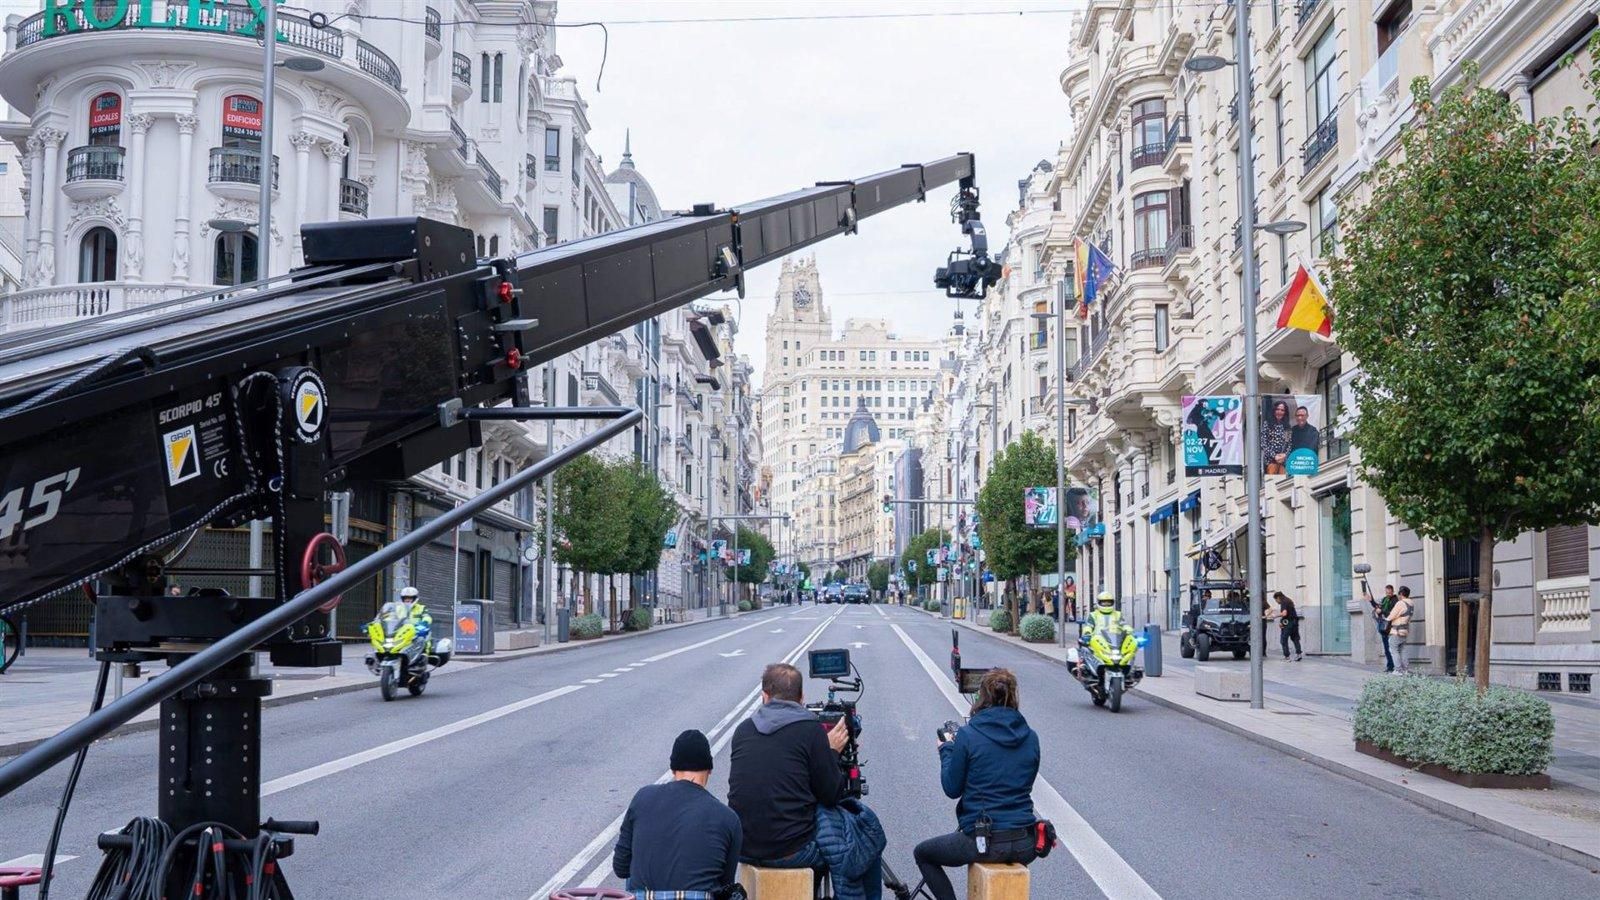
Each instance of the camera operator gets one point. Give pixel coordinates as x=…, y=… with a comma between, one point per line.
x=988, y=767
x=785, y=778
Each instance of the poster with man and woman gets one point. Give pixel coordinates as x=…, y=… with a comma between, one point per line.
x=1291, y=434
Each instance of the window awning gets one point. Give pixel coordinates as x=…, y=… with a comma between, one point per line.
x=1164, y=511
x=1190, y=502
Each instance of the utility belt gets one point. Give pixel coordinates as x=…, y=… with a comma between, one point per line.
x=1041, y=833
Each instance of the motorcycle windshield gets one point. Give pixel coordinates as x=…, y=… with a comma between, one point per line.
x=391, y=618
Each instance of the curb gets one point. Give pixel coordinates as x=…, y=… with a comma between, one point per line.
x=1430, y=803
x=20, y=747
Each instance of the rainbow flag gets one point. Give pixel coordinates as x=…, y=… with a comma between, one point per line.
x=1306, y=305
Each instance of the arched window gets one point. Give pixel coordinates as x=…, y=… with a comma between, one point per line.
x=236, y=258
x=499, y=74
x=483, y=249
x=485, y=83
x=97, y=256
x=350, y=152
x=494, y=245
x=105, y=120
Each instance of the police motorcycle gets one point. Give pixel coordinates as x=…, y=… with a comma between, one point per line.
x=402, y=653
x=1103, y=659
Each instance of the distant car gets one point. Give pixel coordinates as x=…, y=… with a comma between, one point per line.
x=857, y=593
x=833, y=593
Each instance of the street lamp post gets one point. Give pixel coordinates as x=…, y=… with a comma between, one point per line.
x=1060, y=315
x=269, y=70
x=1252, y=406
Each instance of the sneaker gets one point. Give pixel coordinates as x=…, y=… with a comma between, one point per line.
x=1298, y=657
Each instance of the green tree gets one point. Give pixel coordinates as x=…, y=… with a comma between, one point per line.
x=651, y=513
x=1466, y=287
x=590, y=502
x=804, y=573
x=917, y=551
x=1012, y=549
x=878, y=575
x=761, y=554
x=837, y=576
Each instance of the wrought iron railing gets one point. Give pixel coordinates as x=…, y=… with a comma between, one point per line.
x=352, y=197
x=1151, y=257
x=530, y=168
x=430, y=23
x=1180, y=240
x=1305, y=9
x=1096, y=344
x=103, y=163
x=1148, y=155
x=1233, y=108
x=376, y=63
x=490, y=176
x=1321, y=143
x=461, y=69
x=463, y=145
x=1177, y=132
x=238, y=165
x=236, y=21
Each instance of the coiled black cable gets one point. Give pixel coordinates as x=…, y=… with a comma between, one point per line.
x=49, y=864
x=130, y=874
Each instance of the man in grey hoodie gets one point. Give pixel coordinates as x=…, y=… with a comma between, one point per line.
x=785, y=765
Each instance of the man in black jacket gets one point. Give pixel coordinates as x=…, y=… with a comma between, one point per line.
x=784, y=766
x=676, y=836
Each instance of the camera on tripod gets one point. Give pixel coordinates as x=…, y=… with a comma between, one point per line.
x=835, y=666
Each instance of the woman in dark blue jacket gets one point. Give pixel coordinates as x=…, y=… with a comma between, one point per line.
x=989, y=769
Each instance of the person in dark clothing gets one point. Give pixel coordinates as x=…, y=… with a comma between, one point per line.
x=677, y=836
x=1380, y=611
x=784, y=766
x=1288, y=625
x=989, y=770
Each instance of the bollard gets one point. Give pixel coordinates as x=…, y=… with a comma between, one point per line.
x=563, y=625
x=993, y=881
x=1152, y=650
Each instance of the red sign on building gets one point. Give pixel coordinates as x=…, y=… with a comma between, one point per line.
x=241, y=116
x=105, y=114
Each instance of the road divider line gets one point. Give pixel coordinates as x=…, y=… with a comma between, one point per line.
x=345, y=763
x=1110, y=872
x=720, y=735
x=34, y=861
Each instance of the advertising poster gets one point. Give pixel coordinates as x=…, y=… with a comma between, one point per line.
x=744, y=557
x=1213, y=435
x=1291, y=434
x=1082, y=507
x=1039, y=507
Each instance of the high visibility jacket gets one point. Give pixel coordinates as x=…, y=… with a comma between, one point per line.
x=1101, y=618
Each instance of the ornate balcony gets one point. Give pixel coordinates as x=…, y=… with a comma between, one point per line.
x=1305, y=9
x=236, y=172
x=1177, y=133
x=93, y=172
x=460, y=77
x=491, y=177
x=430, y=24
x=1181, y=240
x=376, y=63
x=1320, y=144
x=1150, y=258
x=1147, y=155
x=463, y=143
x=353, y=197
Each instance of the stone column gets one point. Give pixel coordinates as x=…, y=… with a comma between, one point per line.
x=48, y=187
x=302, y=143
x=1520, y=91
x=335, y=154
x=133, y=256
x=35, y=162
x=180, y=237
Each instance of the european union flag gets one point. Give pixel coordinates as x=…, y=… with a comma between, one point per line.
x=1094, y=268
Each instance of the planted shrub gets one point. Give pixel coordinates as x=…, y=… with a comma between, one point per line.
x=1000, y=620
x=1038, y=629
x=744, y=606
x=932, y=605
x=585, y=627
x=1429, y=720
x=639, y=619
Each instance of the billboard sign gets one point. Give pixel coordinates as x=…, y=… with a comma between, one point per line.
x=1039, y=508
x=1213, y=435
x=1291, y=434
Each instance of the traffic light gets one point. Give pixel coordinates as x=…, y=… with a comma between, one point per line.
x=888, y=504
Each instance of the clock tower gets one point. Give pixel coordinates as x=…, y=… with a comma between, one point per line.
x=799, y=322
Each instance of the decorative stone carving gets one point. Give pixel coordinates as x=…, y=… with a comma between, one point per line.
x=301, y=140
x=180, y=258
x=334, y=150
x=45, y=270
x=140, y=122
x=241, y=210
x=44, y=85
x=133, y=254
x=187, y=123
x=164, y=73
x=50, y=137
x=489, y=133
x=102, y=208
x=324, y=98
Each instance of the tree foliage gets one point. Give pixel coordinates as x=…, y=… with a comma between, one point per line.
x=1466, y=289
x=651, y=513
x=878, y=575
x=1012, y=549
x=761, y=554
x=837, y=576
x=917, y=551
x=591, y=517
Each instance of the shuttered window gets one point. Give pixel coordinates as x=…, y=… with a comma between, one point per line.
x=1566, y=551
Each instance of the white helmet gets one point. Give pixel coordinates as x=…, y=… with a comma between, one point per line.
x=409, y=593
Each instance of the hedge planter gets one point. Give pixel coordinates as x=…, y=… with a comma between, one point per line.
x=585, y=628
x=1445, y=728
x=1000, y=620
x=1038, y=629
x=1540, y=781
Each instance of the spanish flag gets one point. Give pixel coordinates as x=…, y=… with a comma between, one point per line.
x=1306, y=305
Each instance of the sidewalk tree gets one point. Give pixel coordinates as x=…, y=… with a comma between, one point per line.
x=917, y=551
x=1465, y=288
x=651, y=512
x=837, y=576
x=1012, y=549
x=590, y=501
x=761, y=554
x=878, y=575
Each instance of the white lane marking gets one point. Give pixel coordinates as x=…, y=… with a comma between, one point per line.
x=1111, y=873
x=720, y=735
x=305, y=776
x=776, y=631
x=592, y=681
x=637, y=665
x=671, y=653
x=859, y=644
x=735, y=653
x=33, y=861
x=608, y=675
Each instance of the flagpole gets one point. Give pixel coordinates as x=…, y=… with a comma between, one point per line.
x=1252, y=409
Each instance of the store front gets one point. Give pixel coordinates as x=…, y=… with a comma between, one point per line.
x=1333, y=513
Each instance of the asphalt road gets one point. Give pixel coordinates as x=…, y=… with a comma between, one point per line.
x=509, y=780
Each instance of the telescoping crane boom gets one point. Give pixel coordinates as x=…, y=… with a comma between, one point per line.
x=123, y=435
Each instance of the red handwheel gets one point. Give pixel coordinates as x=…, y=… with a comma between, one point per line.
x=314, y=571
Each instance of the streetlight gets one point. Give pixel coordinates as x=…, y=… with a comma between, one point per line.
x=711, y=382
x=1041, y=313
x=1252, y=408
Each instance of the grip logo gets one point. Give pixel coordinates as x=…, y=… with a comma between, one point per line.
x=309, y=402
x=183, y=455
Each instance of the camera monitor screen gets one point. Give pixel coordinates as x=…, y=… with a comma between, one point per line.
x=971, y=680
x=829, y=663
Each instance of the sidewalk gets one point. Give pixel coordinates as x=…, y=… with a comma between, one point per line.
x=1308, y=710
x=49, y=688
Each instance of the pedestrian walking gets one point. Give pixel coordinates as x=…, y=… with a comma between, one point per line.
x=1400, y=627
x=1380, y=615
x=1288, y=625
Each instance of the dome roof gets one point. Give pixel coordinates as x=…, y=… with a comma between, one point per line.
x=862, y=429
x=626, y=173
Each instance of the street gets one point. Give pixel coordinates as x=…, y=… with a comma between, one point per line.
x=508, y=781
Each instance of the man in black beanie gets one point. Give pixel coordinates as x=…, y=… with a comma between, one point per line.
x=677, y=839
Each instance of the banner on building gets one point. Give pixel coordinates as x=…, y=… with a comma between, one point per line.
x=1039, y=507
x=1082, y=507
x=671, y=539
x=719, y=549
x=241, y=117
x=1213, y=435
x=105, y=114
x=1291, y=434
x=744, y=557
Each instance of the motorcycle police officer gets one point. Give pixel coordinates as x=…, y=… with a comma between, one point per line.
x=1104, y=615
x=417, y=614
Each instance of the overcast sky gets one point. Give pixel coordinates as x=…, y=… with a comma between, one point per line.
x=733, y=111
